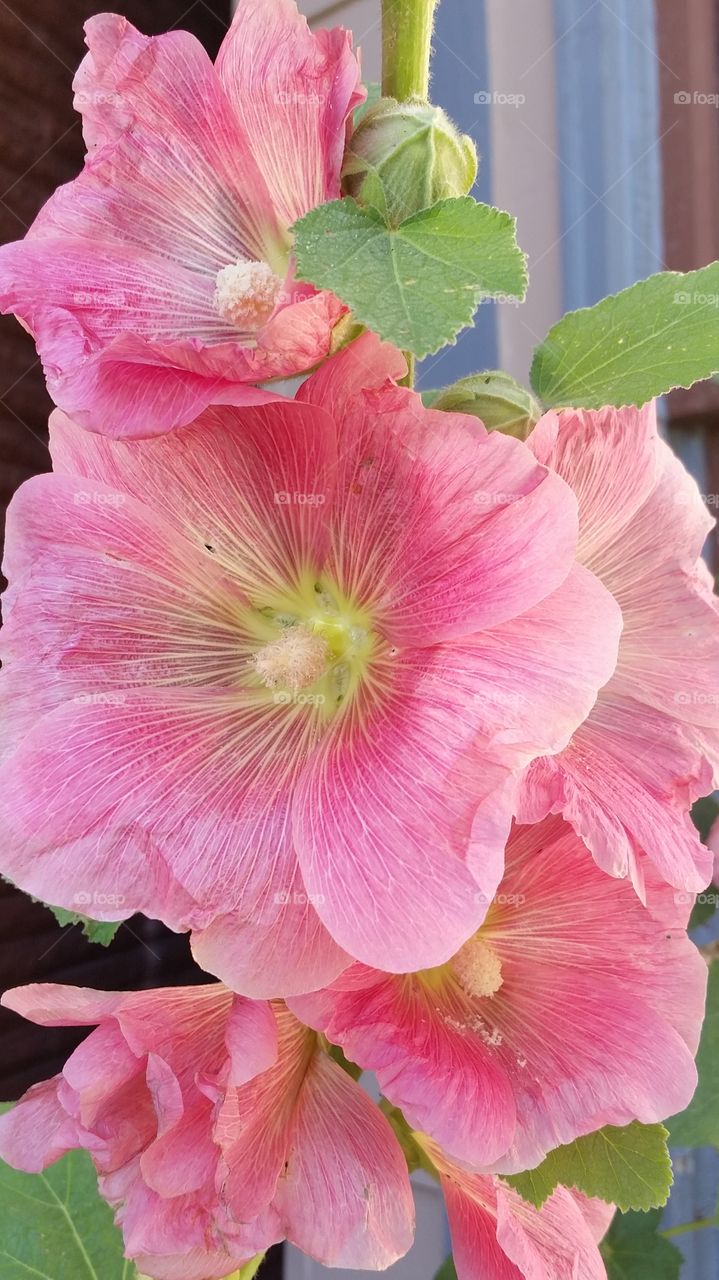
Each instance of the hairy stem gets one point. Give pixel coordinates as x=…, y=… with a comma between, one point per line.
x=406, y=47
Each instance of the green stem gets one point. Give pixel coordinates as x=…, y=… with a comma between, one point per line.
x=406, y=51
x=406, y=47
x=685, y=1227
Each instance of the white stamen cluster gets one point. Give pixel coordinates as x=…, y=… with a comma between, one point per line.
x=293, y=661
x=246, y=294
x=478, y=968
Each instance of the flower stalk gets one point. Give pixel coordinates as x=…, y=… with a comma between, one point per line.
x=406, y=47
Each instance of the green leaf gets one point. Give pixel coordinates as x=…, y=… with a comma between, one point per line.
x=417, y=284
x=55, y=1226
x=629, y=1167
x=100, y=931
x=658, y=334
x=447, y=1270
x=698, y=1126
x=634, y=1250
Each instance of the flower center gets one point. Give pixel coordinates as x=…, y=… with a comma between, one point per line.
x=295, y=660
x=246, y=294
x=478, y=968
x=314, y=636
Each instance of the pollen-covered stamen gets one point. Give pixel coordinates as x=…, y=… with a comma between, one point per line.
x=247, y=293
x=295, y=660
x=478, y=968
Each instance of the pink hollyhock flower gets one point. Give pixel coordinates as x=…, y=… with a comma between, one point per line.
x=218, y=1126
x=540, y=1029
x=262, y=671
x=164, y=271
x=496, y=1235
x=651, y=744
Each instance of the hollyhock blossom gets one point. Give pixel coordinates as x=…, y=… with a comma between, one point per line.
x=496, y=1235
x=261, y=672
x=651, y=744
x=218, y=1126
x=164, y=270
x=539, y=1030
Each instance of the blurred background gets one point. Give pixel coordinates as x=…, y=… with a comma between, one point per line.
x=597, y=123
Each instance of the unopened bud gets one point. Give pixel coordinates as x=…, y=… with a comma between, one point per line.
x=405, y=156
x=501, y=402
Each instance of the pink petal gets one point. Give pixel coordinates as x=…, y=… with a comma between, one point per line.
x=223, y=481
x=52, y=1005
x=38, y=1130
x=427, y=1061
x=626, y=783
x=283, y=947
x=345, y=1195
x=170, y=168
x=293, y=91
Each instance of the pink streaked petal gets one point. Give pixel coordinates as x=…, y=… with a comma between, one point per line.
x=183, y=177
x=185, y=1158
x=345, y=1196
x=592, y=984
x=670, y=649
x=37, y=1131
x=252, y=1123
x=382, y=822
x=533, y=707
x=447, y=518
x=417, y=1038
x=609, y=460
x=293, y=91
x=282, y=947
x=366, y=364
x=498, y=1236
x=626, y=782
x=224, y=481
x=250, y=1039
x=52, y=1005
x=554, y=1241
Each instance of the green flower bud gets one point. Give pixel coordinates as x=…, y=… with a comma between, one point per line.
x=405, y=156
x=499, y=400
